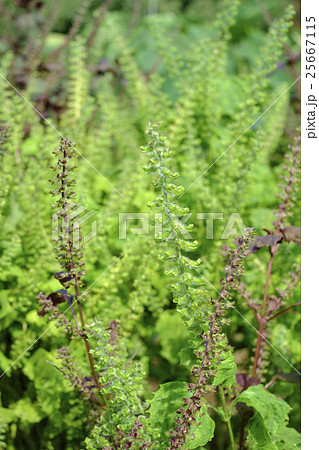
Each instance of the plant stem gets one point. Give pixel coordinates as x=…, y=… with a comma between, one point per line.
x=284, y=310
x=262, y=319
x=278, y=226
x=227, y=418
x=76, y=288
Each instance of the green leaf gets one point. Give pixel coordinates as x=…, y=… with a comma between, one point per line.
x=267, y=428
x=7, y=415
x=26, y=411
x=166, y=401
x=5, y=363
x=48, y=381
x=172, y=335
x=36, y=365
x=289, y=439
x=200, y=434
x=187, y=357
x=226, y=372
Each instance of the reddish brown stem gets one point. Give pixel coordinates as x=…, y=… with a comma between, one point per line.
x=75, y=282
x=262, y=319
x=198, y=388
x=283, y=311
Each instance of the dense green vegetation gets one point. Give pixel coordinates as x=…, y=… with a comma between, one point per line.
x=168, y=131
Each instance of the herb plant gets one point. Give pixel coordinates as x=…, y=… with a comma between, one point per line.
x=143, y=348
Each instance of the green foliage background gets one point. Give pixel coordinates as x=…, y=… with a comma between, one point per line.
x=207, y=70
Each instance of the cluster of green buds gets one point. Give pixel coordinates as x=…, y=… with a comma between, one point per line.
x=203, y=317
x=187, y=290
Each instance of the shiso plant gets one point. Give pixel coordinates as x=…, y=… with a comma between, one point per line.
x=70, y=257
x=214, y=366
x=149, y=350
x=122, y=416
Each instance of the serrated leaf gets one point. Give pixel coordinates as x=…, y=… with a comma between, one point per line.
x=289, y=439
x=166, y=401
x=267, y=428
x=226, y=372
x=172, y=335
x=200, y=434
x=187, y=357
x=164, y=405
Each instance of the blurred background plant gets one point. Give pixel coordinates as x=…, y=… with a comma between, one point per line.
x=98, y=71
